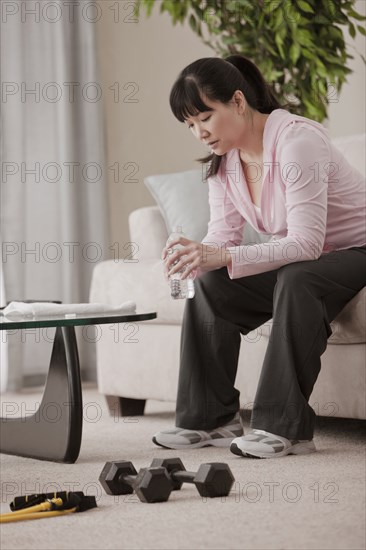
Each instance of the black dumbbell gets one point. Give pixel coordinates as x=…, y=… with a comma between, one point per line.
x=150, y=484
x=213, y=479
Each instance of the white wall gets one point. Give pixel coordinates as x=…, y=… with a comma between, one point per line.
x=151, y=53
x=347, y=114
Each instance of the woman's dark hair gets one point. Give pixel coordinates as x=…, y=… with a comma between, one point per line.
x=218, y=79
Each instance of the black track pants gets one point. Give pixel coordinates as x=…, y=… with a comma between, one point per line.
x=302, y=298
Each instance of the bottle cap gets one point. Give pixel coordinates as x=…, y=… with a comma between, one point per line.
x=177, y=229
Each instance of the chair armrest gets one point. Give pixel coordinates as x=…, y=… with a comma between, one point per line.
x=116, y=281
x=148, y=232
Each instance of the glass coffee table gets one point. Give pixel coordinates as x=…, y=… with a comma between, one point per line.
x=35, y=436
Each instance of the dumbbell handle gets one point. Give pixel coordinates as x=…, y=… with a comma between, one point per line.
x=129, y=479
x=183, y=475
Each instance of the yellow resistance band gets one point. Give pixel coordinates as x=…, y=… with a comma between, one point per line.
x=43, y=510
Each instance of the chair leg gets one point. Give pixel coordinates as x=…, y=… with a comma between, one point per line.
x=125, y=406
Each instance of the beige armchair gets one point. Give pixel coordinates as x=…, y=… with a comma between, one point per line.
x=142, y=363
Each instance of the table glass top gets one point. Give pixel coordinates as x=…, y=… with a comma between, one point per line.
x=7, y=323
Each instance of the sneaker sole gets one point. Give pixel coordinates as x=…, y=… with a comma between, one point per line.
x=223, y=442
x=299, y=449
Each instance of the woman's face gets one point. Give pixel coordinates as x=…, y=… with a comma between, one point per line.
x=223, y=126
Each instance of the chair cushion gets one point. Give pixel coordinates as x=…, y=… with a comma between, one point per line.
x=349, y=327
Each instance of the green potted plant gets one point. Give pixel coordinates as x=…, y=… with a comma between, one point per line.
x=299, y=45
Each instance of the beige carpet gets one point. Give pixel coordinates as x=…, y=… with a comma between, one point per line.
x=310, y=502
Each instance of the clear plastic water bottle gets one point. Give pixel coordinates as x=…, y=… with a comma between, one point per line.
x=179, y=288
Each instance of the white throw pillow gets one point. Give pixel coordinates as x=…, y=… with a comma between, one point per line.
x=183, y=201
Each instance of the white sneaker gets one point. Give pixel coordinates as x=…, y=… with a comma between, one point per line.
x=180, y=438
x=262, y=444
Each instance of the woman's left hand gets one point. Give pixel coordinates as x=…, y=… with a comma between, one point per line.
x=194, y=255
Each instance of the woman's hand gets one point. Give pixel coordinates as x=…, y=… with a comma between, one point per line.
x=194, y=255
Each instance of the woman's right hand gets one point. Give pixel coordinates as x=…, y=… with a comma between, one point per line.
x=191, y=256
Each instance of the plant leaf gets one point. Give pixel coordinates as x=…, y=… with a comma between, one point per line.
x=298, y=45
x=295, y=51
x=356, y=15
x=304, y=6
x=193, y=23
x=352, y=30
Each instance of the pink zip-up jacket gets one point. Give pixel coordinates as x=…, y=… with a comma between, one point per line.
x=312, y=202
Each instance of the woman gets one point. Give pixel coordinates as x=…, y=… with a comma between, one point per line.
x=281, y=174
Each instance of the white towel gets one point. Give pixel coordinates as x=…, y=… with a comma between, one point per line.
x=49, y=309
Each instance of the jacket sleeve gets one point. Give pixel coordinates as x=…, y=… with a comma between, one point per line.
x=303, y=154
x=226, y=224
